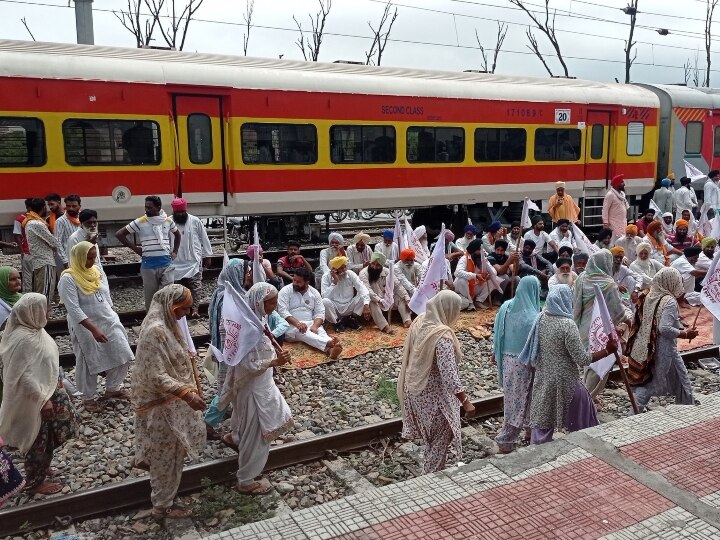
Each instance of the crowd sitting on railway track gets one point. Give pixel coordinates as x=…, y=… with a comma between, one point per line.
x=645, y=270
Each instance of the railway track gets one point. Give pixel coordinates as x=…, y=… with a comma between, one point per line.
x=136, y=492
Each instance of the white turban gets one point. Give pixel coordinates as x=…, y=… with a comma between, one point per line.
x=420, y=232
x=336, y=236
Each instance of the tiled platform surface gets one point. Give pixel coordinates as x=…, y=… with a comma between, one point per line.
x=653, y=476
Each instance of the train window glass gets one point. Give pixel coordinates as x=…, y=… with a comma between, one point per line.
x=716, y=143
x=279, y=144
x=597, y=141
x=635, y=138
x=500, y=144
x=435, y=145
x=199, y=128
x=362, y=144
x=557, y=144
x=22, y=142
x=693, y=138
x=111, y=142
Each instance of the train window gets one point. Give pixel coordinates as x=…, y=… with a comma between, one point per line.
x=22, y=142
x=199, y=128
x=597, y=141
x=500, y=144
x=435, y=145
x=279, y=144
x=362, y=144
x=693, y=137
x=716, y=143
x=111, y=142
x=557, y=144
x=635, y=138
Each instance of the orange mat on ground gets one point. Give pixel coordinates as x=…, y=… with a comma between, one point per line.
x=369, y=339
x=704, y=326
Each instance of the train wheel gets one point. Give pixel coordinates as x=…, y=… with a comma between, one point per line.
x=339, y=216
x=398, y=213
x=368, y=214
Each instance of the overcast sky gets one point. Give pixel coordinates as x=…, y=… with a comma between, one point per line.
x=435, y=34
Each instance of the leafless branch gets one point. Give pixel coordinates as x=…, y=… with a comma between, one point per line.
x=140, y=26
x=310, y=49
x=501, y=33
x=380, y=38
x=25, y=24
x=247, y=17
x=696, y=69
x=483, y=53
x=548, y=28
x=534, y=48
x=710, y=10
x=687, y=69
x=175, y=33
x=629, y=44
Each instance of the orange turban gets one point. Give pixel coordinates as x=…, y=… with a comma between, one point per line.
x=654, y=227
x=631, y=229
x=407, y=255
x=681, y=223
x=617, y=250
x=617, y=180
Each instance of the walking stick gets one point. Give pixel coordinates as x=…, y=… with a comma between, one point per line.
x=516, y=267
x=625, y=379
x=696, y=318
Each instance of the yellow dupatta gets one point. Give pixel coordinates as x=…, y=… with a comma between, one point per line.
x=88, y=280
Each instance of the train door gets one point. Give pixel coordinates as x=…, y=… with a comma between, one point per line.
x=597, y=149
x=714, y=157
x=201, y=148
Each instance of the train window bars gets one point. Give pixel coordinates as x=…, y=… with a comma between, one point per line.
x=199, y=134
x=22, y=142
x=693, y=137
x=111, y=142
x=716, y=142
x=557, y=144
x=500, y=144
x=597, y=141
x=279, y=144
x=435, y=144
x=362, y=144
x=635, y=138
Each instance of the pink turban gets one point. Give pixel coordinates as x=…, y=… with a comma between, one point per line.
x=251, y=251
x=179, y=204
x=617, y=180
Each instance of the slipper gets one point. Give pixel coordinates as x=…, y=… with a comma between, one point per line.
x=92, y=406
x=171, y=512
x=52, y=471
x=119, y=394
x=262, y=487
x=212, y=433
x=227, y=440
x=46, y=488
x=142, y=465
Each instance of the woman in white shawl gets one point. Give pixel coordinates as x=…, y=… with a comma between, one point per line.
x=429, y=386
x=36, y=415
x=167, y=399
x=260, y=413
x=643, y=265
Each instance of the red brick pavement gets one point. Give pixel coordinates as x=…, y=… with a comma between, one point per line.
x=582, y=500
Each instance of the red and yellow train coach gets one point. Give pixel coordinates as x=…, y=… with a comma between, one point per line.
x=244, y=136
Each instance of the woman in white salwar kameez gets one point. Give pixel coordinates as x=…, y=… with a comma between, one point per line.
x=260, y=412
x=98, y=337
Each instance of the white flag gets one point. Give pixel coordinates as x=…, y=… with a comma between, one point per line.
x=658, y=212
x=258, y=270
x=492, y=279
x=243, y=329
x=583, y=243
x=226, y=262
x=185, y=331
x=715, y=231
x=601, y=329
x=435, y=275
x=398, y=236
x=710, y=293
x=528, y=205
x=692, y=172
x=389, y=298
x=421, y=252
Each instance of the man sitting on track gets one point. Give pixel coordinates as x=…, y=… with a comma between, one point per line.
x=302, y=307
x=289, y=264
x=469, y=234
x=407, y=271
x=471, y=279
x=388, y=248
x=335, y=248
x=153, y=229
x=359, y=253
x=503, y=264
x=375, y=277
x=344, y=296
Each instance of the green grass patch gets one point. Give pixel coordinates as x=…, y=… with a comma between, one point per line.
x=386, y=389
x=230, y=507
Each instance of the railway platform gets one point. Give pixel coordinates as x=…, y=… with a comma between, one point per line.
x=651, y=476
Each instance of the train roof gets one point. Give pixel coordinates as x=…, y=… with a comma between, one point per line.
x=90, y=62
x=684, y=96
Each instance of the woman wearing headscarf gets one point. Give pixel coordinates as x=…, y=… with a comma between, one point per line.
x=513, y=324
x=98, y=337
x=644, y=266
x=556, y=352
x=36, y=415
x=167, y=399
x=260, y=412
x=597, y=272
x=10, y=287
x=429, y=386
x=655, y=344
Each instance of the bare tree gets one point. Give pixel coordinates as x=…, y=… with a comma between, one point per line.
x=310, y=49
x=631, y=10
x=501, y=33
x=139, y=25
x=687, y=70
x=696, y=69
x=247, y=17
x=379, y=37
x=176, y=32
x=25, y=24
x=547, y=28
x=710, y=10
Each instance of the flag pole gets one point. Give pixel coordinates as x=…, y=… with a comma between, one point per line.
x=516, y=266
x=625, y=379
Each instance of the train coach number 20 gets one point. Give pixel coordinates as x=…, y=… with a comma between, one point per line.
x=562, y=116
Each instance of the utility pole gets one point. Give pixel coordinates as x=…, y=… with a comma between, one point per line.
x=84, y=22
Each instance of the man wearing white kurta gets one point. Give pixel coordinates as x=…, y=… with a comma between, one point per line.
x=686, y=266
x=302, y=307
x=388, y=247
x=359, y=253
x=344, y=295
x=470, y=279
x=407, y=271
x=375, y=278
x=194, y=250
x=685, y=198
x=711, y=191
x=87, y=232
x=561, y=235
x=65, y=226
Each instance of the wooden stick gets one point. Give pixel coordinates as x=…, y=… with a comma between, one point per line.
x=696, y=318
x=516, y=266
x=627, y=383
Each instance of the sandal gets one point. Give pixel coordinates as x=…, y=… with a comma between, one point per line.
x=92, y=406
x=142, y=465
x=118, y=394
x=228, y=441
x=46, y=488
x=263, y=487
x=52, y=471
x=171, y=512
x=212, y=433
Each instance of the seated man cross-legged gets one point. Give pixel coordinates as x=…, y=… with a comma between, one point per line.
x=375, y=278
x=344, y=296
